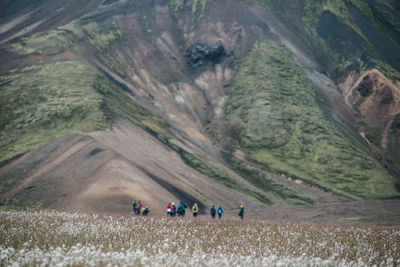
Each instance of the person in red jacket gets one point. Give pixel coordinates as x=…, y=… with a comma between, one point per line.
x=169, y=209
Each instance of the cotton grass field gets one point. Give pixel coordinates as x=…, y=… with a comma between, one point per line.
x=51, y=238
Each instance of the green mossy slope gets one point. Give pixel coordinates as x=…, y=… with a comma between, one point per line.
x=357, y=35
x=262, y=181
x=354, y=35
x=51, y=98
x=274, y=115
x=45, y=101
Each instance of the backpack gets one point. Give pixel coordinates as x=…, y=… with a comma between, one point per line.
x=195, y=209
x=213, y=210
x=219, y=211
x=181, y=208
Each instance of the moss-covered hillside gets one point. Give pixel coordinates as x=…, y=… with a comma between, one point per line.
x=44, y=101
x=355, y=35
x=275, y=115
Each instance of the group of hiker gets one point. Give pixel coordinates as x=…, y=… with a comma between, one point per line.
x=173, y=210
x=180, y=210
x=213, y=211
x=138, y=208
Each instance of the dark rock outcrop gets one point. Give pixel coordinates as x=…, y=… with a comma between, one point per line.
x=366, y=86
x=198, y=54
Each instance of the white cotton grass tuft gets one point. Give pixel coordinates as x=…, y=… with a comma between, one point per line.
x=69, y=239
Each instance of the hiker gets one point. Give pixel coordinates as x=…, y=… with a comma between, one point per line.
x=195, y=210
x=220, y=211
x=241, y=212
x=169, y=209
x=181, y=209
x=145, y=211
x=173, y=210
x=134, y=206
x=213, y=210
x=138, y=207
x=142, y=209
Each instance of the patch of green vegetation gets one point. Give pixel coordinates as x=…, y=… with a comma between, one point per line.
x=177, y=5
x=116, y=104
x=102, y=38
x=48, y=43
x=285, y=129
x=341, y=63
x=211, y=171
x=374, y=134
x=268, y=185
x=15, y=204
x=87, y=34
x=198, y=11
x=83, y=37
x=386, y=69
x=45, y=101
x=313, y=11
x=381, y=16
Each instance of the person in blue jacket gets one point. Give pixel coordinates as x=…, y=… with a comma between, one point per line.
x=181, y=209
x=213, y=211
x=220, y=211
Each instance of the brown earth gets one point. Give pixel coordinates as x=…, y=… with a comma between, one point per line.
x=375, y=100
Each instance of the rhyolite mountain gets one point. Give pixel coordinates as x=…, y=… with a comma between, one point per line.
x=261, y=102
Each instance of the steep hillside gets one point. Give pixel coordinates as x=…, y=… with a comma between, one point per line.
x=274, y=115
x=205, y=101
x=369, y=37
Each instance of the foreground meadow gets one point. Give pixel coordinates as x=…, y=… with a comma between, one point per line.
x=50, y=238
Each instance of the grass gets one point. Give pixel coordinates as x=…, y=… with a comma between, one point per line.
x=177, y=5
x=45, y=101
x=15, y=204
x=87, y=37
x=262, y=181
x=220, y=176
x=59, y=238
x=380, y=42
x=286, y=130
x=198, y=11
x=380, y=14
x=313, y=11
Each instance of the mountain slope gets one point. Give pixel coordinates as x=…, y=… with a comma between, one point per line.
x=236, y=96
x=277, y=111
